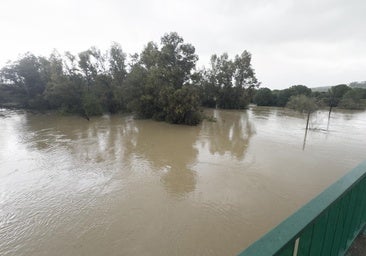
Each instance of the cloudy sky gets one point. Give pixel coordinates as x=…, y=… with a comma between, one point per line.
x=311, y=42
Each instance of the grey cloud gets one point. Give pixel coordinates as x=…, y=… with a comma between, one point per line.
x=292, y=41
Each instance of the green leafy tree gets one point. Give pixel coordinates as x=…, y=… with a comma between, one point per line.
x=117, y=64
x=180, y=106
x=161, y=82
x=352, y=99
x=264, y=97
x=59, y=90
x=282, y=97
x=176, y=60
x=299, y=90
x=28, y=77
x=86, y=67
x=209, y=91
x=303, y=104
x=336, y=93
x=244, y=74
x=228, y=83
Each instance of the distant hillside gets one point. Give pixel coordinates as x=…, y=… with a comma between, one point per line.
x=352, y=85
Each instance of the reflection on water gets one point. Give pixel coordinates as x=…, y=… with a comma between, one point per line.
x=120, y=186
x=230, y=134
x=169, y=150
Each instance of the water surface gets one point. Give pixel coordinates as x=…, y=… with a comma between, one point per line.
x=120, y=186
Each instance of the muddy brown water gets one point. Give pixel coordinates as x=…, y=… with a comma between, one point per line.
x=120, y=186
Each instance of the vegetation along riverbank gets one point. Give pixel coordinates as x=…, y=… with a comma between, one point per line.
x=162, y=83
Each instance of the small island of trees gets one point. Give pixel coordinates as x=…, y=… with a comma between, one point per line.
x=161, y=83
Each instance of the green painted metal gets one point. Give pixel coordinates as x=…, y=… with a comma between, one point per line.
x=327, y=225
x=319, y=232
x=329, y=235
x=305, y=241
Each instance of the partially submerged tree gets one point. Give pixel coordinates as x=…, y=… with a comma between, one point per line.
x=352, y=99
x=303, y=104
x=228, y=83
x=160, y=83
x=336, y=93
x=264, y=97
x=28, y=76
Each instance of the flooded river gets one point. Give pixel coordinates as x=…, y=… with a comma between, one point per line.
x=120, y=186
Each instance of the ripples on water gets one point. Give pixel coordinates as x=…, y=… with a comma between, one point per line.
x=119, y=186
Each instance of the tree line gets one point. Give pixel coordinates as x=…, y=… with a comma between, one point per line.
x=161, y=82
x=342, y=96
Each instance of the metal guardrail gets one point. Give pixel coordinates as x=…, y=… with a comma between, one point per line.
x=327, y=225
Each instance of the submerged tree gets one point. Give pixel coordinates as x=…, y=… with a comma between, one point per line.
x=228, y=83
x=28, y=77
x=335, y=95
x=303, y=104
x=264, y=97
x=161, y=82
x=352, y=99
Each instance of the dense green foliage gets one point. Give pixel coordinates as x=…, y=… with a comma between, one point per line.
x=160, y=83
x=85, y=84
x=302, y=103
x=354, y=99
x=342, y=96
x=264, y=97
x=228, y=83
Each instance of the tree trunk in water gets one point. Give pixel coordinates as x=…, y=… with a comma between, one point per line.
x=85, y=115
x=306, y=131
x=330, y=111
x=307, y=122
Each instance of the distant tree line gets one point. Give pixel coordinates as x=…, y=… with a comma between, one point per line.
x=161, y=82
x=341, y=96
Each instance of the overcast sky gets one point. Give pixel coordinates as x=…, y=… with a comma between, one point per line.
x=311, y=42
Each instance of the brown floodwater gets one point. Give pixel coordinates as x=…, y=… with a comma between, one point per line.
x=120, y=186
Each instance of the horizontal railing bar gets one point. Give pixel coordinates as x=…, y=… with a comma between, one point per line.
x=290, y=228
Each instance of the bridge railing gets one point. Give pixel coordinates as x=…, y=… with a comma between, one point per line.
x=327, y=225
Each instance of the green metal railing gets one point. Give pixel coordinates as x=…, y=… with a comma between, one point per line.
x=327, y=225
